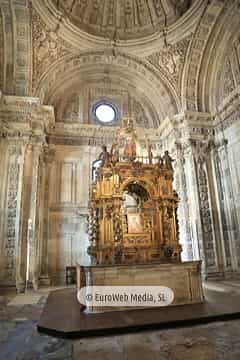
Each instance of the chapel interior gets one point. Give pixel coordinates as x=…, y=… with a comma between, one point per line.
x=103, y=105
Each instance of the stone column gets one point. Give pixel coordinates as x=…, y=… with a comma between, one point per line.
x=209, y=245
x=22, y=120
x=195, y=228
x=227, y=209
x=33, y=270
x=183, y=210
x=28, y=271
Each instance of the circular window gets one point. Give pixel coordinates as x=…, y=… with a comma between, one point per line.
x=105, y=112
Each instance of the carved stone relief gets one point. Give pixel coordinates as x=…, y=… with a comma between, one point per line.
x=171, y=60
x=1, y=51
x=14, y=152
x=228, y=81
x=47, y=47
x=183, y=210
x=205, y=215
x=229, y=73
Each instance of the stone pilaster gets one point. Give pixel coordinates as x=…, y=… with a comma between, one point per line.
x=22, y=136
x=198, y=216
x=47, y=159
x=183, y=210
x=195, y=227
x=222, y=210
x=11, y=214
x=33, y=219
x=207, y=240
x=226, y=205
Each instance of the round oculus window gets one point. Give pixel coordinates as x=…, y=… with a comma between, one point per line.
x=105, y=113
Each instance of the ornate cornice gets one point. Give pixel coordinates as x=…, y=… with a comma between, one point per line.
x=24, y=117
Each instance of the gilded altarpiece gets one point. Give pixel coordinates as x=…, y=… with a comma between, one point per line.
x=133, y=226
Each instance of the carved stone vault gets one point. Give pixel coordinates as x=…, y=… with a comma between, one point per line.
x=124, y=19
x=173, y=68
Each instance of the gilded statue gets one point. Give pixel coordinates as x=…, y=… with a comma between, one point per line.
x=130, y=149
x=167, y=161
x=149, y=150
x=115, y=149
x=160, y=161
x=105, y=157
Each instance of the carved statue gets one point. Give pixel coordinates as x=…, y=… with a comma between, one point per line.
x=114, y=153
x=160, y=161
x=130, y=150
x=149, y=150
x=105, y=157
x=167, y=161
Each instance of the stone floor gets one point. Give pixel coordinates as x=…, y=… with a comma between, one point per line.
x=19, y=339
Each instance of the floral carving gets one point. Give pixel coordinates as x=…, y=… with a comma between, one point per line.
x=47, y=47
x=171, y=59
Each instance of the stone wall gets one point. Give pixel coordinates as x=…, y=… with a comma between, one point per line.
x=46, y=178
x=68, y=203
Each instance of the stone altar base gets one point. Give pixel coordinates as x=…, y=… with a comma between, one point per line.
x=61, y=316
x=184, y=279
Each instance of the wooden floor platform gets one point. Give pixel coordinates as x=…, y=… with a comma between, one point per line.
x=61, y=316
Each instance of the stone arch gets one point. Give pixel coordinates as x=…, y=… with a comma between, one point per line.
x=141, y=181
x=138, y=73
x=95, y=87
x=15, y=42
x=217, y=66
x=192, y=68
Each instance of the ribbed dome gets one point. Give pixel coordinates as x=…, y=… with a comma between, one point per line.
x=122, y=19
